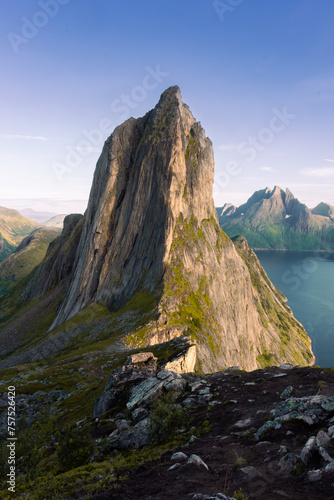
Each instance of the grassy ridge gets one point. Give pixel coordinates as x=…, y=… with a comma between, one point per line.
x=13, y=228
x=28, y=255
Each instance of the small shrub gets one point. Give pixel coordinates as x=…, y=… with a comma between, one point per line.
x=165, y=419
x=75, y=448
x=238, y=495
x=299, y=469
x=240, y=462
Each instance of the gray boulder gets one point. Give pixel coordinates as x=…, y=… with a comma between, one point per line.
x=270, y=424
x=179, y=456
x=287, y=463
x=138, y=367
x=143, y=393
x=314, y=475
x=322, y=438
x=287, y=392
x=196, y=460
x=132, y=437
x=139, y=414
x=309, y=450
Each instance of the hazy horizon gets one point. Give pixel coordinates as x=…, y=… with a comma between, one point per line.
x=56, y=207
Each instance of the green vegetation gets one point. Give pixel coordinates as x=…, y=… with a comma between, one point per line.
x=29, y=254
x=321, y=384
x=13, y=228
x=266, y=359
x=299, y=469
x=166, y=418
x=240, y=462
x=238, y=495
x=74, y=448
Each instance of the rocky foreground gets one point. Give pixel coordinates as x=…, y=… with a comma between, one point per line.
x=259, y=435
x=153, y=433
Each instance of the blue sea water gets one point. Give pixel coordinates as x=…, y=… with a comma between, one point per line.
x=307, y=280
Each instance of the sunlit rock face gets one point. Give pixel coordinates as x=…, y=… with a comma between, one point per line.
x=151, y=228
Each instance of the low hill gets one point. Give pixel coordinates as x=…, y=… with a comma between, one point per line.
x=56, y=221
x=324, y=209
x=13, y=228
x=37, y=215
x=275, y=219
x=25, y=258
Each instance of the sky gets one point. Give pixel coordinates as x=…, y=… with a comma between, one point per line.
x=257, y=74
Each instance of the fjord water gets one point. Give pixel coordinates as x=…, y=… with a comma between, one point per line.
x=307, y=280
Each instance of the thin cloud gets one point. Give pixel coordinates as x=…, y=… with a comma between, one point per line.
x=318, y=172
x=26, y=137
x=327, y=159
x=267, y=169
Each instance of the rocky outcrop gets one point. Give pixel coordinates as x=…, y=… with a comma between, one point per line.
x=138, y=383
x=227, y=209
x=139, y=367
x=217, y=417
x=311, y=410
x=184, y=362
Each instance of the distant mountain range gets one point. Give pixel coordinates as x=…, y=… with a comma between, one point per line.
x=275, y=219
x=47, y=218
x=38, y=215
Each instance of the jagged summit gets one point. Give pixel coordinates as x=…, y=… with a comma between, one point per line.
x=149, y=253
x=274, y=218
x=142, y=184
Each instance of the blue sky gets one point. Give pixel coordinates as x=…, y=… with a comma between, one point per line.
x=258, y=74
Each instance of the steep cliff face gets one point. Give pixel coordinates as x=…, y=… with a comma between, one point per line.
x=151, y=229
x=150, y=172
x=58, y=262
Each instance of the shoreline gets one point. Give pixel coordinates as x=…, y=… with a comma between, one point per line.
x=331, y=252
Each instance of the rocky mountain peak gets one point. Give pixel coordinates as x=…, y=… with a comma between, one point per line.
x=152, y=172
x=149, y=253
x=151, y=230
x=277, y=191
